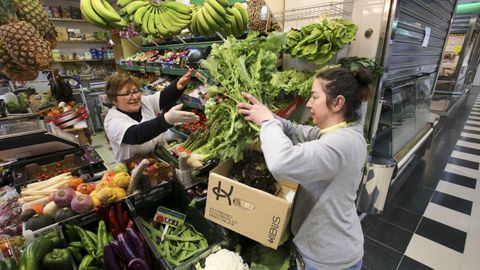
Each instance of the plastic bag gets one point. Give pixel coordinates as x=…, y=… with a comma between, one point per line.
x=10, y=211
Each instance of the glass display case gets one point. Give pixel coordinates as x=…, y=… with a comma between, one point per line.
x=405, y=113
x=20, y=125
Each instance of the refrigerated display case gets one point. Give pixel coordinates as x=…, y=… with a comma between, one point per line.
x=411, y=39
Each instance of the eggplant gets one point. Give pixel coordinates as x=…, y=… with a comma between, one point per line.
x=111, y=262
x=126, y=247
x=138, y=244
x=117, y=250
x=137, y=264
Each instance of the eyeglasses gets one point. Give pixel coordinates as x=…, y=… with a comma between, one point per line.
x=131, y=93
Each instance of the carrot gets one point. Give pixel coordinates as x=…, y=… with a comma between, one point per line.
x=38, y=208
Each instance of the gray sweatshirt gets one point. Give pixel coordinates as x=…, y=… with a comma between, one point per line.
x=328, y=168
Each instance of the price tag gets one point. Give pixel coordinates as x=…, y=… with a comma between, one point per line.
x=200, y=76
x=158, y=72
x=169, y=217
x=142, y=70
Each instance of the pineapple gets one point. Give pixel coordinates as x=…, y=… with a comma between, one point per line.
x=32, y=11
x=22, y=40
x=12, y=70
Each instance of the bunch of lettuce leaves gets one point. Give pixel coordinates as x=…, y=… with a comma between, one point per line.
x=292, y=82
x=319, y=42
x=238, y=66
x=354, y=63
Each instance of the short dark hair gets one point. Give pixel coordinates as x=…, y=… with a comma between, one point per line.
x=116, y=82
x=353, y=85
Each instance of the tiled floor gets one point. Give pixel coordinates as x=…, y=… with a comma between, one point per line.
x=433, y=221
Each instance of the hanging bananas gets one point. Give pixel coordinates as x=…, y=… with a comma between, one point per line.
x=101, y=13
x=158, y=19
x=216, y=16
x=168, y=18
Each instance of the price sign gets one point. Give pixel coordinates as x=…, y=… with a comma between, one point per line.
x=201, y=77
x=142, y=69
x=158, y=72
x=169, y=217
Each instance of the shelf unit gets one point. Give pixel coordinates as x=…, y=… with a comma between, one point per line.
x=82, y=41
x=328, y=10
x=200, y=45
x=160, y=70
x=85, y=60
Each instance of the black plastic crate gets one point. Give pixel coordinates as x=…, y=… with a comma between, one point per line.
x=173, y=196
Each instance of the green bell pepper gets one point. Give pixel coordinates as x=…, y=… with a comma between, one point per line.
x=58, y=259
x=8, y=264
x=55, y=238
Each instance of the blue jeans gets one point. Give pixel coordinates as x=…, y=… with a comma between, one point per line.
x=357, y=266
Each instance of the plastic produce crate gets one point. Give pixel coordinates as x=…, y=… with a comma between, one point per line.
x=173, y=196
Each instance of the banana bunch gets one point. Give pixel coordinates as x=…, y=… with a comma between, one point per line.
x=216, y=16
x=101, y=13
x=163, y=19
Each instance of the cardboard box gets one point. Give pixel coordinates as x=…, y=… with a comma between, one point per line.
x=248, y=211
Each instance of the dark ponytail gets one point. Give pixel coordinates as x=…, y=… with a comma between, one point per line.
x=353, y=85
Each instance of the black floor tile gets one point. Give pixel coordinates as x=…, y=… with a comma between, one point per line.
x=458, y=179
x=468, y=150
x=463, y=163
x=389, y=235
x=442, y=234
x=468, y=139
x=408, y=263
x=400, y=217
x=412, y=197
x=380, y=257
x=452, y=202
x=368, y=221
x=426, y=172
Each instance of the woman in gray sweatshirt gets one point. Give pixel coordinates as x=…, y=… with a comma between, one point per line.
x=327, y=161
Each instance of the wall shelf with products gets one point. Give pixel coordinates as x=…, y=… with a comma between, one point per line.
x=82, y=41
x=85, y=60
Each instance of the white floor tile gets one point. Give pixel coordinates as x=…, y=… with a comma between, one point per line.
x=447, y=216
x=453, y=168
x=471, y=128
x=456, y=190
x=471, y=258
x=470, y=135
x=468, y=144
x=472, y=122
x=473, y=117
x=466, y=156
x=432, y=254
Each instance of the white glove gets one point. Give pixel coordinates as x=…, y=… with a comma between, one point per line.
x=175, y=115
